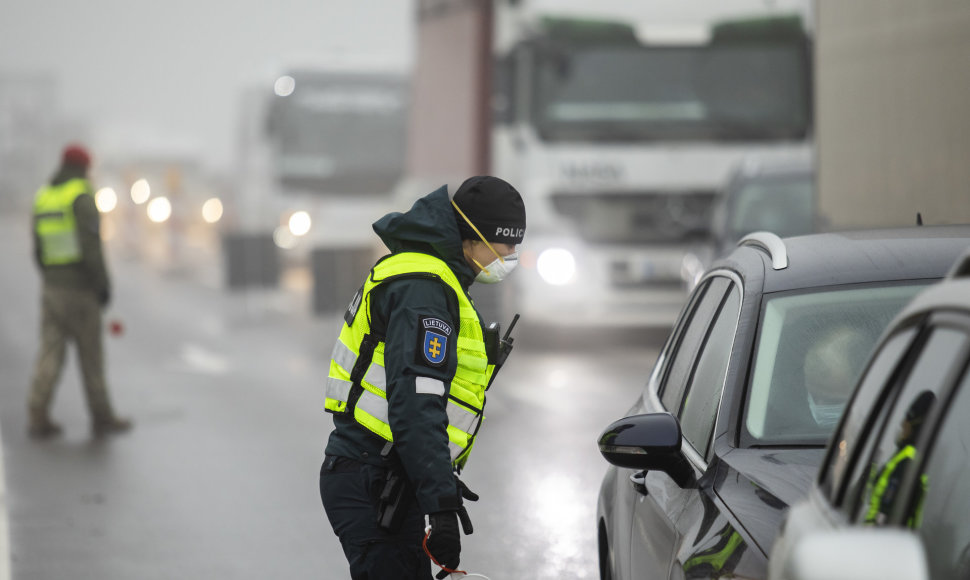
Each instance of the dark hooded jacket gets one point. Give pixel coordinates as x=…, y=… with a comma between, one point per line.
x=90, y=274
x=418, y=421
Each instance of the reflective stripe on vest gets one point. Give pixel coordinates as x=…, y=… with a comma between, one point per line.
x=55, y=223
x=875, y=502
x=357, y=381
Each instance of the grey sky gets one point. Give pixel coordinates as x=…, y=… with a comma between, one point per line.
x=150, y=74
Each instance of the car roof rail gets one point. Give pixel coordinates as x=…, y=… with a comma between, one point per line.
x=770, y=243
x=961, y=269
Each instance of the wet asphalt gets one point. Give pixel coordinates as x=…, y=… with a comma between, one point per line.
x=218, y=479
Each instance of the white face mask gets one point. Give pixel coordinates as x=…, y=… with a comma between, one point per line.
x=498, y=270
x=825, y=414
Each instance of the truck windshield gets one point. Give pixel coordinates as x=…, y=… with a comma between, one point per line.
x=757, y=91
x=339, y=132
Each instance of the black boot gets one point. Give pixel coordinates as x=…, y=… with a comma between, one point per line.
x=113, y=426
x=43, y=428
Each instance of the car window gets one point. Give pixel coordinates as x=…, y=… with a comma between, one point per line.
x=941, y=502
x=670, y=395
x=704, y=393
x=810, y=350
x=685, y=349
x=871, y=394
x=897, y=449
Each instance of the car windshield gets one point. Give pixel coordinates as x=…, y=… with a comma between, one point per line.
x=784, y=206
x=811, y=348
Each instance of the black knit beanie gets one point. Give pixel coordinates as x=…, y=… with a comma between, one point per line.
x=494, y=206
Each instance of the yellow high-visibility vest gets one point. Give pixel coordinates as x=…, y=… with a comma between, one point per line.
x=357, y=380
x=55, y=223
x=882, y=483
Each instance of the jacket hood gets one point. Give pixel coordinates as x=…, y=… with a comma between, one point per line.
x=428, y=227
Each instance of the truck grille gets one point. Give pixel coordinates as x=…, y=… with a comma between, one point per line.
x=637, y=217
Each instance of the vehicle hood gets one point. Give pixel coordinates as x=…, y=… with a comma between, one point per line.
x=759, y=485
x=428, y=227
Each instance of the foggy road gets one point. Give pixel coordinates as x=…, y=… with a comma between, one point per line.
x=219, y=477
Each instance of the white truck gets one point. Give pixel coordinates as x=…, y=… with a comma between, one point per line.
x=322, y=150
x=337, y=145
x=619, y=122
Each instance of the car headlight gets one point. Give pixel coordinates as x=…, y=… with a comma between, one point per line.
x=556, y=266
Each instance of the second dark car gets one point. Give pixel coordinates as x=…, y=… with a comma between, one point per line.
x=745, y=393
x=891, y=499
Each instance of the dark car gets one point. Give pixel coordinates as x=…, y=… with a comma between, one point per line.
x=892, y=498
x=733, y=422
x=760, y=196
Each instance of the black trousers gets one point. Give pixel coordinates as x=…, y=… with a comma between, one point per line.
x=350, y=491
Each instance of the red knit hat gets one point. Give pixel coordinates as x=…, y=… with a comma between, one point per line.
x=76, y=155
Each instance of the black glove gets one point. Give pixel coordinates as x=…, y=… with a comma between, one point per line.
x=444, y=542
x=104, y=296
x=464, y=492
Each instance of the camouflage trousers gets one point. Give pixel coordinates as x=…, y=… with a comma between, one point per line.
x=70, y=316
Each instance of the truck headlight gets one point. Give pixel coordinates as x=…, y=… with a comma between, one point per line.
x=556, y=266
x=299, y=223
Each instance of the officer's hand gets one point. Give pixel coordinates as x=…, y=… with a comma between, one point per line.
x=444, y=542
x=464, y=492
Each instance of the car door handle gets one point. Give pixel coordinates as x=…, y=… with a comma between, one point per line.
x=639, y=481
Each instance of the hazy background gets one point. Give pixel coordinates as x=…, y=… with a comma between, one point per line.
x=168, y=75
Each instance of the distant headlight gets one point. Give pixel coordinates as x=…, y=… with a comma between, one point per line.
x=212, y=210
x=283, y=238
x=159, y=209
x=106, y=199
x=299, y=223
x=557, y=266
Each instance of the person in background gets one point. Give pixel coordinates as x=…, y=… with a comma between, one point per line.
x=831, y=367
x=407, y=381
x=68, y=252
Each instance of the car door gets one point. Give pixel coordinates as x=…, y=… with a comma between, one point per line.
x=938, y=500
x=707, y=544
x=900, y=434
x=701, y=347
x=917, y=472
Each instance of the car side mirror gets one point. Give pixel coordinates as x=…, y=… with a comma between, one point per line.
x=651, y=442
x=857, y=554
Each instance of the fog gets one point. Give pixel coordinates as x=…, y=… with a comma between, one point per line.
x=138, y=75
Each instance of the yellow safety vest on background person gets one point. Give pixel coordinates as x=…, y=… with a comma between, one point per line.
x=357, y=352
x=55, y=223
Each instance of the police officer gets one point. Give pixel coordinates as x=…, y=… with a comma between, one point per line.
x=407, y=381
x=67, y=249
